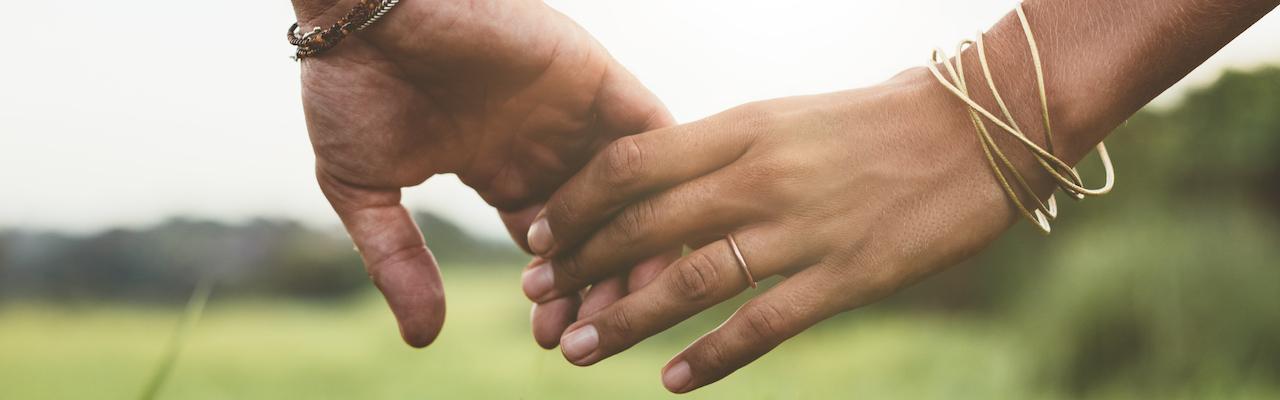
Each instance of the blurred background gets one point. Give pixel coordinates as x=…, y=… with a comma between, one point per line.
x=141, y=153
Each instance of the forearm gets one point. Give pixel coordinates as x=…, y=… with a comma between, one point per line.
x=1105, y=59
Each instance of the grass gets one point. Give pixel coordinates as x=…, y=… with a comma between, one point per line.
x=268, y=349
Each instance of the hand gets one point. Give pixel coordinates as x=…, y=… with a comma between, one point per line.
x=852, y=195
x=510, y=95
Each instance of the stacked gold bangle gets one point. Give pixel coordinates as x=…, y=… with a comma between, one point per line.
x=1067, y=178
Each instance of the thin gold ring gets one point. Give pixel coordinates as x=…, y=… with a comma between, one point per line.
x=742, y=262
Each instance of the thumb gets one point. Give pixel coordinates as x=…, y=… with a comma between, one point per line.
x=395, y=255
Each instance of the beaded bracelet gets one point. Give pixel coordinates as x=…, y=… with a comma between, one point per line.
x=361, y=17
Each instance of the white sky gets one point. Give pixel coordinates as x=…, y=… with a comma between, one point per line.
x=123, y=113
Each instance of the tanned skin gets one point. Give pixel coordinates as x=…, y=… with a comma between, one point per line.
x=850, y=195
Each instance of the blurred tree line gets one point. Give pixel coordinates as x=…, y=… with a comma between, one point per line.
x=260, y=257
x=1168, y=286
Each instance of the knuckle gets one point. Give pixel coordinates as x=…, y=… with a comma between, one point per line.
x=714, y=356
x=764, y=321
x=377, y=264
x=633, y=221
x=624, y=162
x=757, y=117
x=620, y=322
x=752, y=110
x=696, y=277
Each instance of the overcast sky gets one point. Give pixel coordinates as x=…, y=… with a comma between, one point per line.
x=123, y=113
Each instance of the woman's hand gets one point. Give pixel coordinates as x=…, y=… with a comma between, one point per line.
x=510, y=95
x=851, y=195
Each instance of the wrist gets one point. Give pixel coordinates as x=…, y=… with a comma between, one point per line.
x=1073, y=116
x=1049, y=113
x=389, y=35
x=436, y=33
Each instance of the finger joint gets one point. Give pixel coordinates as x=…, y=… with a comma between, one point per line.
x=714, y=356
x=620, y=322
x=633, y=222
x=764, y=322
x=624, y=162
x=697, y=277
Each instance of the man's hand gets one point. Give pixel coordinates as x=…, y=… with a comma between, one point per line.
x=510, y=95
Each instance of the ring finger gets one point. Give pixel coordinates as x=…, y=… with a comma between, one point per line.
x=704, y=278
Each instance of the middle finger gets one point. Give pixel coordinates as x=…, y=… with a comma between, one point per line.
x=708, y=205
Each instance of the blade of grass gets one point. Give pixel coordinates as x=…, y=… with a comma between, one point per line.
x=195, y=307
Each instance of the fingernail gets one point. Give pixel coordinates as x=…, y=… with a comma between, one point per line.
x=540, y=239
x=677, y=377
x=538, y=282
x=580, y=343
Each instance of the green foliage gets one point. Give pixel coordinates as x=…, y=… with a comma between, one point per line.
x=259, y=257
x=1230, y=129
x=452, y=246
x=1170, y=286
x=1194, y=308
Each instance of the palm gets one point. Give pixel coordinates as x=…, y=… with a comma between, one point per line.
x=511, y=97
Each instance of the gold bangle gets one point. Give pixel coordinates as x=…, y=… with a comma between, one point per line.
x=1066, y=176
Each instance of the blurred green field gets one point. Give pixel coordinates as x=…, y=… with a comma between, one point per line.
x=273, y=350
x=1142, y=306
x=264, y=349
